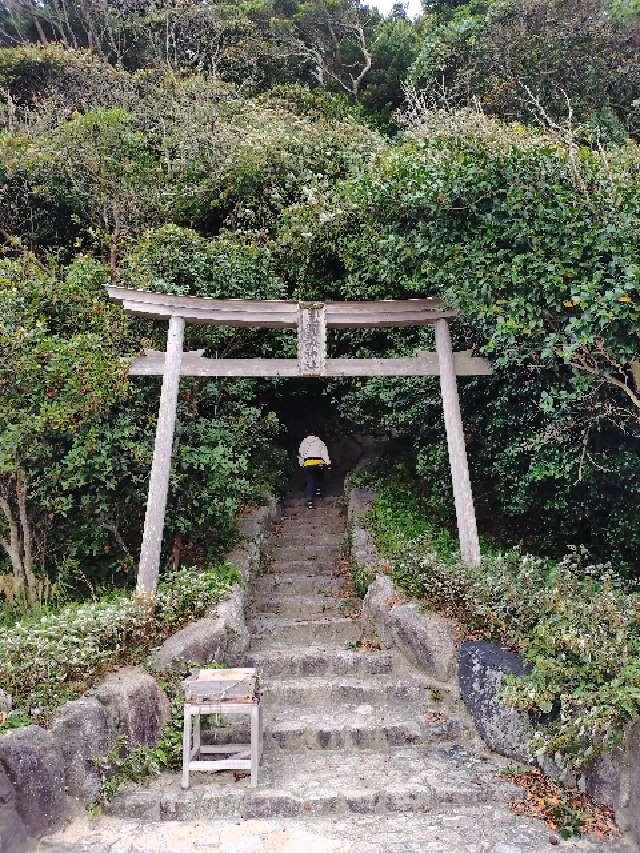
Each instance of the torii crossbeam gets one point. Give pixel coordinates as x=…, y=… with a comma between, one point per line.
x=312, y=319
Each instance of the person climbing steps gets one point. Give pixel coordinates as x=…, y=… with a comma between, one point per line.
x=313, y=456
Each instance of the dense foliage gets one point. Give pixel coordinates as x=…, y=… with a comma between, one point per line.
x=575, y=623
x=255, y=150
x=538, y=245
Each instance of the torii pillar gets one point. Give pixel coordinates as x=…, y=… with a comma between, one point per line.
x=149, y=567
x=462, y=495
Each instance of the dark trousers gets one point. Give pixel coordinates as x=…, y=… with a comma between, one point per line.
x=314, y=478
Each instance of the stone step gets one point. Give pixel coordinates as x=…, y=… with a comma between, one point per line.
x=305, y=606
x=314, y=516
x=315, y=661
x=301, y=566
x=309, y=538
x=300, y=584
x=298, y=502
x=443, y=828
x=305, y=552
x=345, y=727
x=372, y=690
x=325, y=785
x=321, y=525
x=270, y=631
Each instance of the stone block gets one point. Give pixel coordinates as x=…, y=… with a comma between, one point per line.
x=13, y=835
x=223, y=638
x=245, y=558
x=83, y=734
x=360, y=501
x=6, y=702
x=250, y=526
x=135, y=705
x=603, y=779
x=631, y=816
x=376, y=608
x=363, y=550
x=482, y=669
x=428, y=639
x=256, y=524
x=33, y=766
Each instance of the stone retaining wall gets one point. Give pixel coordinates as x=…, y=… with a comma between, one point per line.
x=476, y=670
x=47, y=774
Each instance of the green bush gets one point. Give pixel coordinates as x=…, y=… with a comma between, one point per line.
x=47, y=660
x=576, y=624
x=537, y=244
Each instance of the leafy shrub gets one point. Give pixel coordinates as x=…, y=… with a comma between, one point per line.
x=536, y=243
x=576, y=625
x=46, y=660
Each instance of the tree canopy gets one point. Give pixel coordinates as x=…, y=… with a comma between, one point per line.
x=485, y=152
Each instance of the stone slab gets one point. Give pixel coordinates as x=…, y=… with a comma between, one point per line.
x=470, y=829
x=33, y=765
x=136, y=706
x=483, y=666
x=13, y=834
x=82, y=732
x=223, y=637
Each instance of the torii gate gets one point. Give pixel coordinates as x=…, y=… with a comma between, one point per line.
x=312, y=320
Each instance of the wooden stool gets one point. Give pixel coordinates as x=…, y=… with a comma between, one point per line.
x=228, y=692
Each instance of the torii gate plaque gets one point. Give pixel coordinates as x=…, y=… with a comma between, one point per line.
x=312, y=320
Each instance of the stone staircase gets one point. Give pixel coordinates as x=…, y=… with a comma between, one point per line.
x=362, y=752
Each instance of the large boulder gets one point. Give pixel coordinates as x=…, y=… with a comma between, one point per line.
x=83, y=734
x=603, y=779
x=13, y=835
x=363, y=550
x=244, y=557
x=136, y=707
x=33, y=766
x=482, y=669
x=224, y=637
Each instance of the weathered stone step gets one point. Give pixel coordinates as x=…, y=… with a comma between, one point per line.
x=315, y=515
x=309, y=538
x=302, y=566
x=269, y=631
x=344, y=726
x=320, y=525
x=371, y=690
x=293, y=502
x=306, y=660
x=444, y=828
x=300, y=584
x=302, y=552
x=325, y=785
x=305, y=606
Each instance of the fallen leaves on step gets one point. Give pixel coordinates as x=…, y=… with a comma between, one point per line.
x=435, y=717
x=564, y=810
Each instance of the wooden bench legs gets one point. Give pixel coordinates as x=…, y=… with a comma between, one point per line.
x=238, y=756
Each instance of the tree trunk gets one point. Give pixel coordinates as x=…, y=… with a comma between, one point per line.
x=19, y=544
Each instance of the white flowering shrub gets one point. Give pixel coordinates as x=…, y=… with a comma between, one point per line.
x=47, y=660
x=576, y=625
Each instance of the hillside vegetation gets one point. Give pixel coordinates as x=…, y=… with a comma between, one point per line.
x=485, y=153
